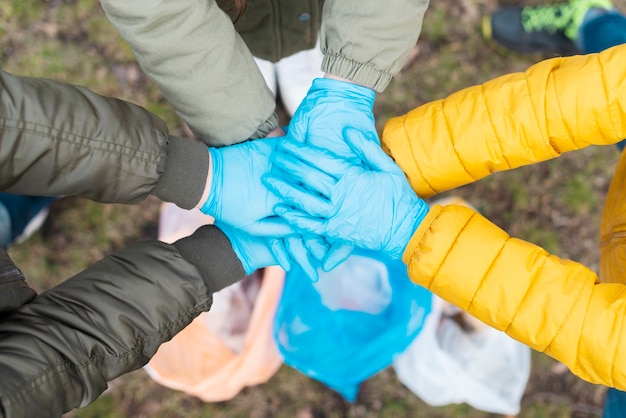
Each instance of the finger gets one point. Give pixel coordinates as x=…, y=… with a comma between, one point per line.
x=299, y=171
x=297, y=129
x=299, y=253
x=338, y=253
x=271, y=226
x=298, y=197
x=370, y=152
x=302, y=221
x=280, y=253
x=320, y=158
x=317, y=247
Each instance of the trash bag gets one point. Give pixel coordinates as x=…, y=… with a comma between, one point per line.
x=450, y=362
x=351, y=323
x=231, y=346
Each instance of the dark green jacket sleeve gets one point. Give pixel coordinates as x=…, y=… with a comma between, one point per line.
x=58, y=139
x=58, y=351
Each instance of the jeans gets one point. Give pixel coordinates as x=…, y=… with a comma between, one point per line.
x=615, y=404
x=603, y=32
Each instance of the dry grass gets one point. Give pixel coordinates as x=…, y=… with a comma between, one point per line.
x=555, y=204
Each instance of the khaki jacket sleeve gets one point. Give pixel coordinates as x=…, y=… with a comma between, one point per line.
x=191, y=50
x=59, y=140
x=368, y=41
x=558, y=105
x=553, y=305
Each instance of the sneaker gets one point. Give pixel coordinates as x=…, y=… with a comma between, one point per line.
x=21, y=216
x=542, y=29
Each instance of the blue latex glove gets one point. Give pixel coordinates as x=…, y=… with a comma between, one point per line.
x=370, y=205
x=237, y=196
x=330, y=107
x=257, y=252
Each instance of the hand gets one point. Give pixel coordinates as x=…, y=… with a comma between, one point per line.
x=330, y=107
x=237, y=196
x=369, y=204
x=257, y=252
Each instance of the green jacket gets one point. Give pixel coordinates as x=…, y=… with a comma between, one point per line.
x=191, y=50
x=58, y=351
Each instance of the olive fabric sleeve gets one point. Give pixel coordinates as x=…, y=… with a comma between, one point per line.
x=190, y=49
x=58, y=351
x=59, y=139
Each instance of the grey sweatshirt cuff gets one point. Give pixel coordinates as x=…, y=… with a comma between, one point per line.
x=184, y=178
x=212, y=253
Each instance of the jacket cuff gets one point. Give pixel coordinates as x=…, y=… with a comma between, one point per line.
x=185, y=174
x=362, y=74
x=212, y=253
x=267, y=127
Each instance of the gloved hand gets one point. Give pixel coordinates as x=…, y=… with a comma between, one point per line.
x=237, y=196
x=370, y=204
x=330, y=107
x=257, y=252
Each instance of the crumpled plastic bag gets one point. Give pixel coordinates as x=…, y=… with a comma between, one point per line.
x=351, y=323
x=449, y=363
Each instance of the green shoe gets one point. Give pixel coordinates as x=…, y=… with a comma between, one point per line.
x=542, y=29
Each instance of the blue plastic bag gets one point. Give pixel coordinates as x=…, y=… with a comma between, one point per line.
x=351, y=323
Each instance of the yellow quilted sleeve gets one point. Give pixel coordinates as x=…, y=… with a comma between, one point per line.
x=557, y=105
x=552, y=305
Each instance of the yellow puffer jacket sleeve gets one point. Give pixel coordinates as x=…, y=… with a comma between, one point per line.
x=555, y=306
x=557, y=105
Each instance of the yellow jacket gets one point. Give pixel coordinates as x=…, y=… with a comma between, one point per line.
x=553, y=305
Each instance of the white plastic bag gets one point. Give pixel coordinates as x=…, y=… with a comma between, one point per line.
x=484, y=368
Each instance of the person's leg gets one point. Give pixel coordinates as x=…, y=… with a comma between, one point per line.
x=615, y=404
x=602, y=31
x=295, y=75
x=20, y=216
x=556, y=28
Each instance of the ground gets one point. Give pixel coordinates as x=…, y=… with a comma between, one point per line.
x=555, y=204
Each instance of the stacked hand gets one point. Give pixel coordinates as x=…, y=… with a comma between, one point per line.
x=368, y=204
x=329, y=108
x=327, y=187
x=243, y=209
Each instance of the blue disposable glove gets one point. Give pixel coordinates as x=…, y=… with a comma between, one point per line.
x=369, y=205
x=257, y=252
x=330, y=107
x=237, y=196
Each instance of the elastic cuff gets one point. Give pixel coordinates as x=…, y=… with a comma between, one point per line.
x=184, y=178
x=212, y=253
x=362, y=74
x=267, y=127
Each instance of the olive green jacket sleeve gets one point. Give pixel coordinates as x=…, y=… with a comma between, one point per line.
x=191, y=50
x=58, y=351
x=368, y=41
x=59, y=139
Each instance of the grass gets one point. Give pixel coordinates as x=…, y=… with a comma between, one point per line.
x=556, y=204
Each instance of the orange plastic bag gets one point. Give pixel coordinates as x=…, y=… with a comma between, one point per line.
x=231, y=346
x=613, y=228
